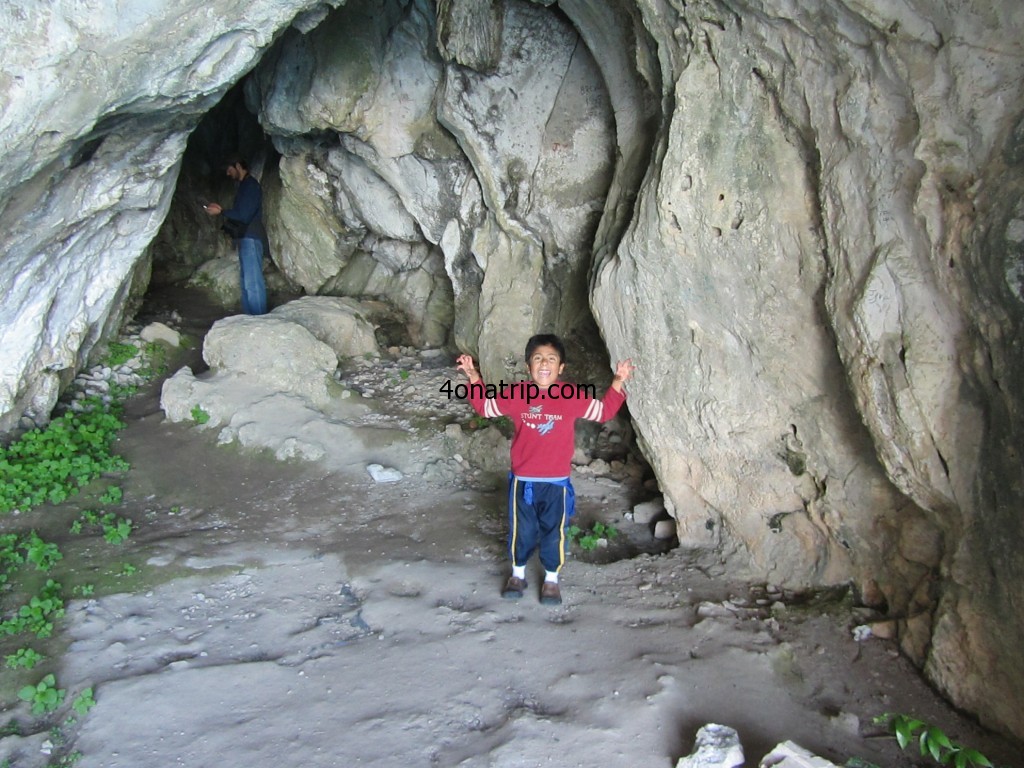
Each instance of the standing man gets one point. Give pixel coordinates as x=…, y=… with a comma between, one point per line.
x=245, y=225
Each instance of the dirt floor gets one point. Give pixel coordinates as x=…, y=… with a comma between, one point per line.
x=284, y=614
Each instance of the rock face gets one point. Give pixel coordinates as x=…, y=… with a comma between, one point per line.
x=817, y=274
x=806, y=226
x=98, y=102
x=423, y=196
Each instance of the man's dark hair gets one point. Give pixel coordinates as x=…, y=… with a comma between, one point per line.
x=545, y=339
x=233, y=160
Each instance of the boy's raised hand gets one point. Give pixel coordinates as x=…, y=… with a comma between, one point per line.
x=465, y=364
x=624, y=369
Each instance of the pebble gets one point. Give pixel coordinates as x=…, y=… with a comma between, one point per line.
x=382, y=474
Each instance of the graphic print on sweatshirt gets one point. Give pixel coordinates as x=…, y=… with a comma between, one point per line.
x=535, y=418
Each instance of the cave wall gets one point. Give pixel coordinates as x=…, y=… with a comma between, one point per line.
x=824, y=294
x=96, y=105
x=804, y=224
x=400, y=180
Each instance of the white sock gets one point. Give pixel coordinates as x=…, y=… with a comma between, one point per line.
x=551, y=576
x=519, y=571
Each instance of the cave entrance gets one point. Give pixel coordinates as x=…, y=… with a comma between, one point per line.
x=459, y=193
x=391, y=173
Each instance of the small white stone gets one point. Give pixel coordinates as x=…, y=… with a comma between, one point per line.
x=665, y=530
x=382, y=474
x=647, y=511
x=862, y=633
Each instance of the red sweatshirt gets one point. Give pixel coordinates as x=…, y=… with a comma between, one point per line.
x=545, y=427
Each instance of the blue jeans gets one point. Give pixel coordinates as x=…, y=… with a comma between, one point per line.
x=254, y=290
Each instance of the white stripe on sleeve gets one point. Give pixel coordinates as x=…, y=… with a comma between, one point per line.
x=594, y=411
x=491, y=408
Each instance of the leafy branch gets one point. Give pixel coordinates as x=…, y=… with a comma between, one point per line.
x=590, y=539
x=931, y=741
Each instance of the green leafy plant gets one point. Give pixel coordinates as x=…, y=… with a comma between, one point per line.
x=38, y=614
x=40, y=553
x=10, y=556
x=932, y=741
x=503, y=423
x=83, y=590
x=588, y=539
x=54, y=463
x=115, y=529
x=45, y=696
x=83, y=702
x=57, y=736
x=67, y=761
x=105, y=521
x=127, y=569
x=155, y=354
x=477, y=422
x=119, y=353
x=23, y=658
x=123, y=391
x=199, y=416
x=113, y=495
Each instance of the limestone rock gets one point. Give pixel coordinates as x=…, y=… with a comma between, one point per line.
x=541, y=183
x=921, y=542
x=646, y=511
x=275, y=353
x=221, y=279
x=716, y=746
x=740, y=393
x=790, y=755
x=664, y=529
x=87, y=179
x=489, y=449
x=382, y=474
x=160, y=332
x=339, y=323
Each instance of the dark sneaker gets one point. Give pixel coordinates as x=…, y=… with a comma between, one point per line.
x=550, y=594
x=514, y=588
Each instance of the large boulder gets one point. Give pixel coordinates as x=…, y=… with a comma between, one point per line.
x=277, y=353
x=340, y=323
x=270, y=386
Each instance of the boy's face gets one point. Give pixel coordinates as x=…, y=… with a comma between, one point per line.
x=545, y=366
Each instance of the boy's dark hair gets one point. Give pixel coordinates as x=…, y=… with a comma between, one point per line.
x=542, y=340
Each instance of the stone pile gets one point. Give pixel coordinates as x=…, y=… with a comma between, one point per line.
x=104, y=382
x=718, y=746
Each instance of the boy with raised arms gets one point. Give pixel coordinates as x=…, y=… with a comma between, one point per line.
x=540, y=495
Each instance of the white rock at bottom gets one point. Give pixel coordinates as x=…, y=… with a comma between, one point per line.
x=716, y=746
x=790, y=755
x=382, y=474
